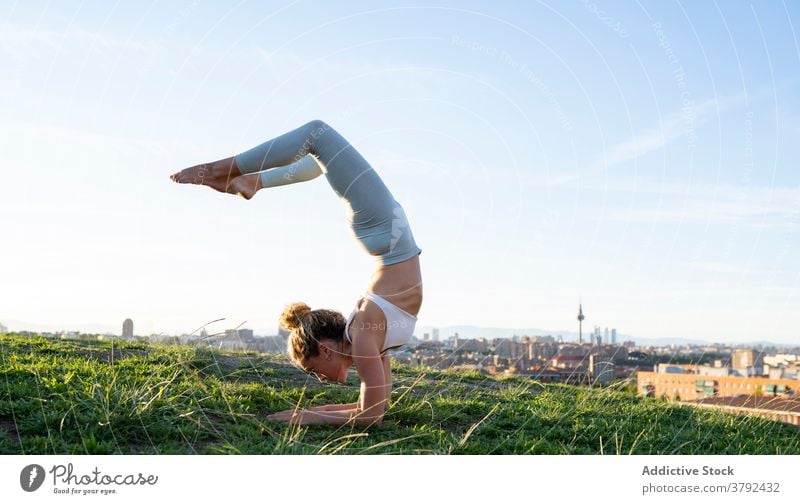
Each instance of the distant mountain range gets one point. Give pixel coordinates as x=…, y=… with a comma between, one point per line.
x=472, y=332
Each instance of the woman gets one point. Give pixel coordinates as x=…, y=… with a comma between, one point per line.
x=323, y=342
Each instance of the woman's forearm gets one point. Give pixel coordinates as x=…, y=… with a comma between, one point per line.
x=334, y=407
x=352, y=417
x=341, y=407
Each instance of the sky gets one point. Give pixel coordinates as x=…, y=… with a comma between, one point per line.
x=640, y=158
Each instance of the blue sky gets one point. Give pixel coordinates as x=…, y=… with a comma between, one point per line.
x=640, y=156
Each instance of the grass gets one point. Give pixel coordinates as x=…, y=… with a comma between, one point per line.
x=95, y=397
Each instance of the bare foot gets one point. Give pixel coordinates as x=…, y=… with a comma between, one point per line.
x=217, y=175
x=246, y=186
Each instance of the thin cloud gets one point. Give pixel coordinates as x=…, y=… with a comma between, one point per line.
x=674, y=126
x=24, y=43
x=340, y=69
x=759, y=206
x=671, y=128
x=720, y=267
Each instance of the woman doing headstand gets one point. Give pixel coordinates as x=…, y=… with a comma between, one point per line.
x=323, y=342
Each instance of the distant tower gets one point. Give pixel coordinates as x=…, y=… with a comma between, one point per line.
x=580, y=323
x=605, y=335
x=127, y=329
x=614, y=336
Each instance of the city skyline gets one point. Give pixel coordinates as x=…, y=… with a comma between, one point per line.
x=460, y=331
x=639, y=161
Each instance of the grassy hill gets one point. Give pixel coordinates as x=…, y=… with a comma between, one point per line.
x=88, y=396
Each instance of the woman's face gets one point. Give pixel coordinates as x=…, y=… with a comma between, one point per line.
x=329, y=364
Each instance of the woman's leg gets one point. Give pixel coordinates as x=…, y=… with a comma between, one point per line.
x=376, y=219
x=302, y=170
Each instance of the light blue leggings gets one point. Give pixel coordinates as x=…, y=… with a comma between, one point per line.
x=376, y=219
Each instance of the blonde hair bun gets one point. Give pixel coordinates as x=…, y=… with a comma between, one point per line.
x=293, y=313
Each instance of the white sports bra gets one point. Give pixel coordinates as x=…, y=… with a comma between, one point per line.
x=399, y=323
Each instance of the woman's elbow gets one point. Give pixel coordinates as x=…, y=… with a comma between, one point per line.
x=368, y=421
